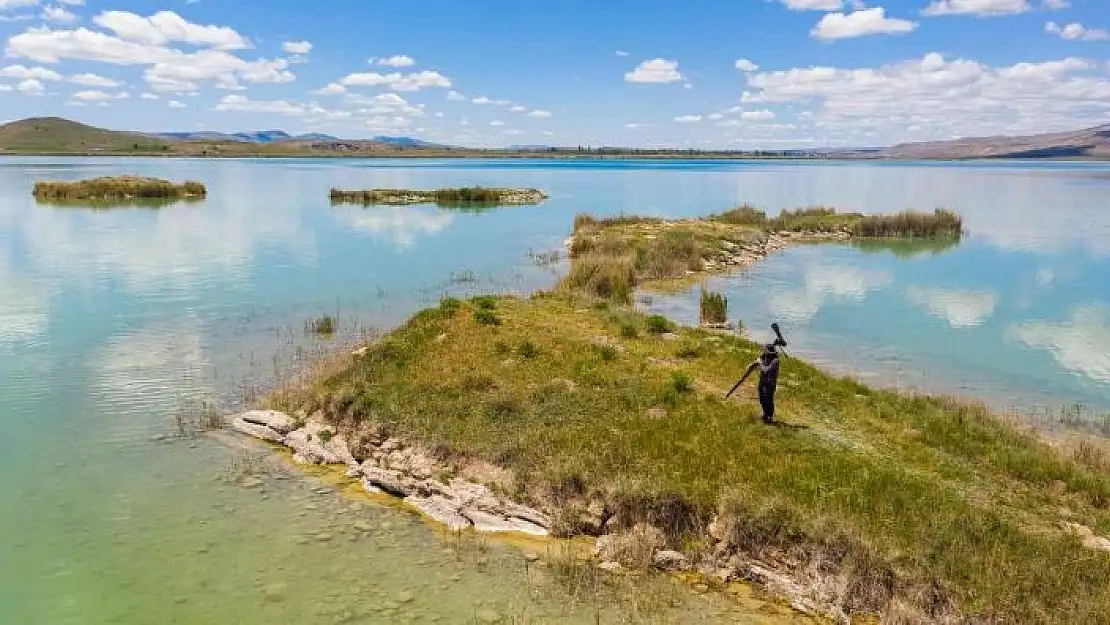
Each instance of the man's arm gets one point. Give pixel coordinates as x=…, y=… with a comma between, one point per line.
x=747, y=372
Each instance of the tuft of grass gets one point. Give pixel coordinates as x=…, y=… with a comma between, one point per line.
x=714, y=308
x=484, y=302
x=528, y=349
x=608, y=353
x=606, y=277
x=658, y=324
x=450, y=306
x=907, y=500
x=323, y=326
x=486, y=316
x=629, y=331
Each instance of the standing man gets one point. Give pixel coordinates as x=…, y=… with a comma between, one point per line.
x=768, y=364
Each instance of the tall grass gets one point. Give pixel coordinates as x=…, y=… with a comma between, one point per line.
x=117, y=188
x=821, y=219
x=940, y=223
x=602, y=276
x=714, y=308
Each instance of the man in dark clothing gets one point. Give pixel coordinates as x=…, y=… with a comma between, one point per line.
x=768, y=364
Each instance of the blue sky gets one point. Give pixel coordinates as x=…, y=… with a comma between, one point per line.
x=686, y=73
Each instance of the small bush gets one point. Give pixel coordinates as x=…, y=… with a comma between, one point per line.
x=681, y=382
x=449, y=306
x=714, y=307
x=688, y=350
x=484, y=302
x=487, y=317
x=323, y=325
x=629, y=331
x=658, y=324
x=604, y=277
x=325, y=436
x=608, y=353
x=528, y=349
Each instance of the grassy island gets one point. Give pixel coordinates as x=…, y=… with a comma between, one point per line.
x=119, y=189
x=917, y=509
x=611, y=256
x=463, y=196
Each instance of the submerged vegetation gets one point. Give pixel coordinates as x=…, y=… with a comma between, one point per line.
x=610, y=257
x=118, y=189
x=459, y=197
x=914, y=508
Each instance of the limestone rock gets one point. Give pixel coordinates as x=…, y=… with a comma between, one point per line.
x=670, y=560
x=489, y=522
x=258, y=431
x=391, y=482
x=609, y=566
x=276, y=421
x=440, y=509
x=317, y=443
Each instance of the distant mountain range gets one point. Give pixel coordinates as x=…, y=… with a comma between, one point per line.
x=55, y=135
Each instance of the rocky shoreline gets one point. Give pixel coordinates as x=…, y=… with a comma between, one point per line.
x=458, y=502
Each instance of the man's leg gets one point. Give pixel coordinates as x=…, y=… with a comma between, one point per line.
x=767, y=402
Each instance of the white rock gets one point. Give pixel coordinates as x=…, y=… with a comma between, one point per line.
x=277, y=421
x=670, y=560
x=309, y=445
x=440, y=509
x=258, y=431
x=488, y=522
x=391, y=482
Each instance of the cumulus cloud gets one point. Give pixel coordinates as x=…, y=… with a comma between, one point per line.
x=331, y=89
x=943, y=97
x=397, y=60
x=455, y=96
x=977, y=7
x=745, y=65
x=58, y=14
x=95, y=95
x=297, y=47
x=23, y=73
x=148, y=96
x=960, y=309
x=165, y=27
x=31, y=86
x=497, y=122
x=757, y=116
x=539, y=113
x=397, y=81
x=93, y=80
x=861, y=23
x=1077, y=32
x=176, y=104
x=654, y=71
x=688, y=119
x=813, y=5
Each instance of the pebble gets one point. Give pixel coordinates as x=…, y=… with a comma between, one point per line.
x=274, y=592
x=405, y=596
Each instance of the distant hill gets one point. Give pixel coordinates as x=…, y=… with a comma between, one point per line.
x=408, y=142
x=56, y=135
x=208, y=135
x=1089, y=143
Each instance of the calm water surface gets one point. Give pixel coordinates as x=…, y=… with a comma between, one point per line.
x=111, y=321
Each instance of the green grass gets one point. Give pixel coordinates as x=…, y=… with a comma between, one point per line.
x=119, y=188
x=455, y=197
x=925, y=499
x=941, y=223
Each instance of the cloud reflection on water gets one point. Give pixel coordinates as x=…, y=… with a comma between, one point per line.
x=1081, y=344
x=960, y=308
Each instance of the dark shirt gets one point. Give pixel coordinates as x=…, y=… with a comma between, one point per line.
x=768, y=372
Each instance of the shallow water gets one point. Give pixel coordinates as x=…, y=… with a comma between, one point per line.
x=112, y=321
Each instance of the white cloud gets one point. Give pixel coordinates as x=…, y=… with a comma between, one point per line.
x=332, y=89
x=977, y=7
x=960, y=309
x=148, y=96
x=58, y=14
x=655, y=71
x=482, y=100
x=297, y=47
x=621, y=53
x=455, y=96
x=714, y=116
x=175, y=104
x=93, y=80
x=23, y=73
x=516, y=108
x=397, y=81
x=1057, y=5
x=1077, y=32
x=1081, y=344
x=166, y=26
x=745, y=65
x=96, y=95
x=688, y=119
x=757, y=116
x=397, y=60
x=539, y=113
x=497, y=122
x=31, y=86
x=813, y=5
x=871, y=21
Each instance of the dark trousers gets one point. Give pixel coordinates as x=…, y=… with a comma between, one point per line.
x=767, y=402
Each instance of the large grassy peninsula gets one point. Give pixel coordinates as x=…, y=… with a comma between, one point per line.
x=118, y=189
x=462, y=196
x=611, y=256
x=917, y=509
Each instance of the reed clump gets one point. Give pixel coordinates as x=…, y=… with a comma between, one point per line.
x=461, y=197
x=941, y=223
x=117, y=188
x=714, y=308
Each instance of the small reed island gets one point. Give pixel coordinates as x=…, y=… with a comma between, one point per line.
x=612, y=256
x=118, y=189
x=464, y=196
x=570, y=413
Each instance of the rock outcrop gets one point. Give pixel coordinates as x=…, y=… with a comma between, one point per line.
x=394, y=467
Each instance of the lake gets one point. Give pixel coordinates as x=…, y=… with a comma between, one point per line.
x=114, y=321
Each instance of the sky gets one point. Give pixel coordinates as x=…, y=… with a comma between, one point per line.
x=734, y=74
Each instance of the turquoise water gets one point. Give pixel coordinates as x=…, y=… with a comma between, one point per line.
x=112, y=321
